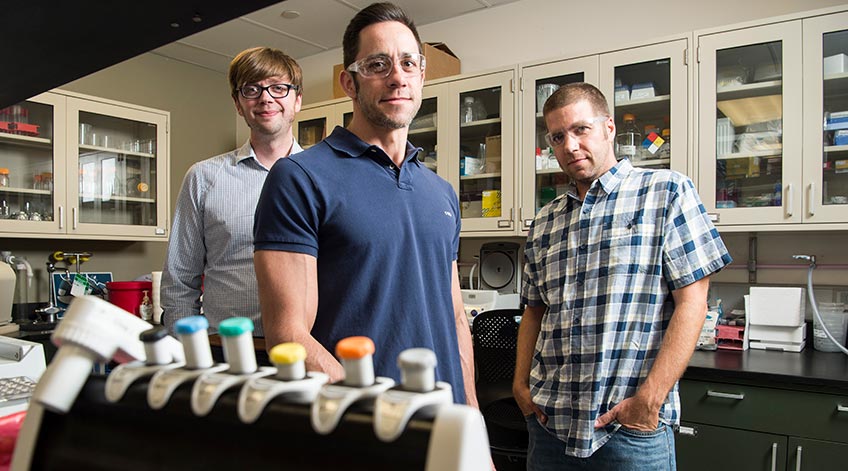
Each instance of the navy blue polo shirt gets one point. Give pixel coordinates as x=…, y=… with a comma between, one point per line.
x=384, y=238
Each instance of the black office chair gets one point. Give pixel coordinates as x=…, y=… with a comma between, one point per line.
x=495, y=335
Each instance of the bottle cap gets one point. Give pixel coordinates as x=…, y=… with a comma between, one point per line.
x=4, y=171
x=235, y=326
x=628, y=117
x=287, y=353
x=666, y=133
x=469, y=99
x=354, y=348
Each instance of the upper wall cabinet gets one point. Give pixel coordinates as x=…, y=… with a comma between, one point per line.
x=314, y=123
x=825, y=160
x=647, y=90
x=773, y=124
x=542, y=179
x=81, y=167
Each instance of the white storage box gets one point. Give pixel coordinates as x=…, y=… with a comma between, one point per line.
x=768, y=333
x=776, y=306
x=835, y=64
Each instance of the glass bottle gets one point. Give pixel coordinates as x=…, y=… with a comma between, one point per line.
x=4, y=177
x=145, y=309
x=629, y=139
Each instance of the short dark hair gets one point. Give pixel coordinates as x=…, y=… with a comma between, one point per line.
x=258, y=63
x=574, y=92
x=372, y=14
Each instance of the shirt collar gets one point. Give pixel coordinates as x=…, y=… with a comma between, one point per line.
x=246, y=151
x=609, y=181
x=351, y=145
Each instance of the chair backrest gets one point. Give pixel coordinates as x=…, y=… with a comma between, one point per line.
x=495, y=336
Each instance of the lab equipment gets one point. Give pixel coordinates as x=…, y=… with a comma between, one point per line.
x=816, y=315
x=629, y=139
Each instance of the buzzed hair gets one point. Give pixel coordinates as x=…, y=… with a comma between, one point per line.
x=572, y=93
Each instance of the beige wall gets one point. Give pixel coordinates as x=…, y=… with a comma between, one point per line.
x=202, y=125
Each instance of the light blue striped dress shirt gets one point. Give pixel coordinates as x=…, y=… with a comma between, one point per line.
x=212, y=235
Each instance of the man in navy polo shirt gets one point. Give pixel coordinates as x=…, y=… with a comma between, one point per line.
x=355, y=236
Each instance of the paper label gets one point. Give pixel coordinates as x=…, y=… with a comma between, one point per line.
x=80, y=286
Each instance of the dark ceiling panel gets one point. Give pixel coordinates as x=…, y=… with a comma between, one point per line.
x=46, y=44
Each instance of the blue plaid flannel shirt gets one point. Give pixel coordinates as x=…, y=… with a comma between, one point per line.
x=605, y=267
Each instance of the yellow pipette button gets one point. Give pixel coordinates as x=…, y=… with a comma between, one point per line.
x=287, y=353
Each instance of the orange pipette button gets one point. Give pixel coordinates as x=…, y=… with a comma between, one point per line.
x=354, y=348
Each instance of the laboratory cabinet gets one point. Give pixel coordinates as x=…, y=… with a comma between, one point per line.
x=646, y=88
x=745, y=427
x=773, y=103
x=465, y=127
x=74, y=166
x=314, y=123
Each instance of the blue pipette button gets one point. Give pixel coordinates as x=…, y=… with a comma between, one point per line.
x=190, y=325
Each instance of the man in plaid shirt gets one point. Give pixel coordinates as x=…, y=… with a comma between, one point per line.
x=602, y=344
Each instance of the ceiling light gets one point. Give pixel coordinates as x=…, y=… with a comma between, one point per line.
x=290, y=14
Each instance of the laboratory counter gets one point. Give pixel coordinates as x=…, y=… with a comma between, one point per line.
x=809, y=370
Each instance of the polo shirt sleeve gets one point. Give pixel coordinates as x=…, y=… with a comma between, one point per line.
x=286, y=216
x=692, y=247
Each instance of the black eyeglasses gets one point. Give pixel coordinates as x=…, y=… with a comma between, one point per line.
x=277, y=90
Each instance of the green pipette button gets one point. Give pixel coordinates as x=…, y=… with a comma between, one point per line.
x=235, y=326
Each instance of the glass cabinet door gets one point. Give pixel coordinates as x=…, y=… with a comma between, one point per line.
x=542, y=178
x=750, y=126
x=424, y=130
x=30, y=165
x=120, y=163
x=484, y=111
x=826, y=118
x=647, y=91
x=317, y=122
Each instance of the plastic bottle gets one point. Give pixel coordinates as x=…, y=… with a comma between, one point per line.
x=778, y=194
x=145, y=309
x=4, y=176
x=629, y=139
x=471, y=110
x=665, y=149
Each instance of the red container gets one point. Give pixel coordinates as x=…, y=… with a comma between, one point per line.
x=129, y=294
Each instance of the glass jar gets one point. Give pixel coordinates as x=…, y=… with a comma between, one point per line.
x=629, y=139
x=4, y=177
x=471, y=111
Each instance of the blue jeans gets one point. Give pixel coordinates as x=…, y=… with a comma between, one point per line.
x=626, y=450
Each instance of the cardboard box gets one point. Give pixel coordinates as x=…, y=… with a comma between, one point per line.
x=337, y=88
x=441, y=62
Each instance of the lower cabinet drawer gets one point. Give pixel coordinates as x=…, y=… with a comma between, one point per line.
x=708, y=448
x=797, y=413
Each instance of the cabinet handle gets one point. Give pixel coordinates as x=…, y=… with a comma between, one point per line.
x=841, y=408
x=789, y=199
x=688, y=431
x=773, y=456
x=725, y=395
x=798, y=458
x=811, y=202
x=61, y=217
x=74, y=217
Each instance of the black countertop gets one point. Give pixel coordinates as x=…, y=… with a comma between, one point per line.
x=809, y=370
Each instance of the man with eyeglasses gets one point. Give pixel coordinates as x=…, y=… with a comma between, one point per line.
x=210, y=251
x=355, y=236
x=615, y=283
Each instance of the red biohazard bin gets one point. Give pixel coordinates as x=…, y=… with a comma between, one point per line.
x=128, y=294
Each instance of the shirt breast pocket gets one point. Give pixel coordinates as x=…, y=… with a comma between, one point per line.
x=632, y=242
